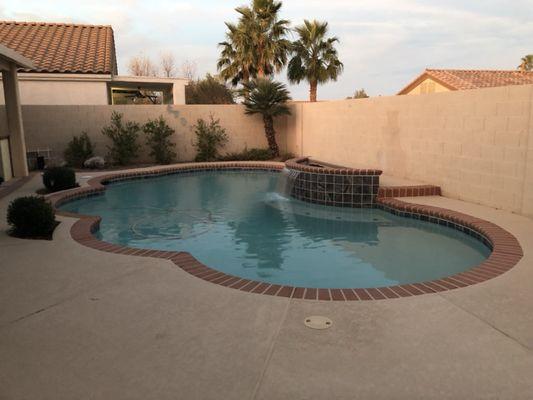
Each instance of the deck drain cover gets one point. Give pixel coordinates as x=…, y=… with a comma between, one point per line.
x=318, y=322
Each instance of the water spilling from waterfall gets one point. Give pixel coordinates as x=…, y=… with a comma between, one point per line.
x=286, y=180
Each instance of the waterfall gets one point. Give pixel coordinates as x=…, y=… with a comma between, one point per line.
x=286, y=180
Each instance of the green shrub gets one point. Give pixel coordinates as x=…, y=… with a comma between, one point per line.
x=208, y=91
x=31, y=216
x=248, y=155
x=158, y=135
x=209, y=137
x=59, y=178
x=79, y=149
x=124, y=147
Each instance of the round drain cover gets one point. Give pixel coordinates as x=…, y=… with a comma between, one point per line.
x=318, y=322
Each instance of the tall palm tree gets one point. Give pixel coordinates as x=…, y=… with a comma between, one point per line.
x=527, y=63
x=237, y=59
x=268, y=98
x=314, y=58
x=256, y=46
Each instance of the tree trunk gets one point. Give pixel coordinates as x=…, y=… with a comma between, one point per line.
x=312, y=91
x=271, y=135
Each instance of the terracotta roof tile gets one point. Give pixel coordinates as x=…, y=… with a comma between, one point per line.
x=462, y=79
x=60, y=48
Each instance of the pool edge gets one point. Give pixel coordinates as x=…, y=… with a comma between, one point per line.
x=506, y=250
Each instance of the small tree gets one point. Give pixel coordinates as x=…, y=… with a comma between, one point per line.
x=188, y=70
x=168, y=64
x=124, y=146
x=359, y=94
x=142, y=65
x=526, y=63
x=268, y=98
x=208, y=91
x=79, y=149
x=158, y=135
x=209, y=137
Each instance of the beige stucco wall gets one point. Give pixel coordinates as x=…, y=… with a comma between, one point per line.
x=476, y=144
x=80, y=89
x=53, y=126
x=428, y=85
x=41, y=92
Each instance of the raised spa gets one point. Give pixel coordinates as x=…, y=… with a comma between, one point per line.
x=244, y=224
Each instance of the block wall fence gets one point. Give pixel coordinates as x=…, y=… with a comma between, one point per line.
x=476, y=144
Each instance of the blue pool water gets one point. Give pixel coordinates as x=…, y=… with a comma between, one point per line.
x=237, y=222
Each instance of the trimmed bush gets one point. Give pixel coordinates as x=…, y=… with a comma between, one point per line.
x=79, y=149
x=31, y=216
x=209, y=137
x=158, y=135
x=249, y=155
x=124, y=147
x=59, y=178
x=208, y=91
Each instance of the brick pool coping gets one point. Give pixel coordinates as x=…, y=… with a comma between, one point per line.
x=300, y=164
x=506, y=250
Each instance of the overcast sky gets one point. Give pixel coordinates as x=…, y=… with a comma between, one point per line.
x=383, y=43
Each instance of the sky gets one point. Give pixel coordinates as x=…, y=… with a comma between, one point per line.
x=384, y=44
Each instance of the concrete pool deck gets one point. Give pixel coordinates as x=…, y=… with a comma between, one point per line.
x=80, y=323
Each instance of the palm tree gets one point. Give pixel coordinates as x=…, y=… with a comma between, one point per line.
x=237, y=59
x=268, y=98
x=527, y=63
x=256, y=46
x=314, y=58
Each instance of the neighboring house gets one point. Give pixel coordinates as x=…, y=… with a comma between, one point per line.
x=444, y=80
x=76, y=65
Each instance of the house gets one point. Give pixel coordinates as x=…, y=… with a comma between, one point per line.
x=76, y=64
x=12, y=141
x=444, y=80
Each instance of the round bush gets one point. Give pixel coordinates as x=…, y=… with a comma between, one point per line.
x=59, y=178
x=31, y=216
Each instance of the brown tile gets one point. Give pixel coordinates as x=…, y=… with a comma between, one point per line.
x=362, y=294
x=336, y=295
x=286, y=291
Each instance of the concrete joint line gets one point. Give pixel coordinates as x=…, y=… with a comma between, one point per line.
x=270, y=351
x=69, y=298
x=500, y=331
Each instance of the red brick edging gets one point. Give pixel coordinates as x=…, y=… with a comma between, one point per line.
x=409, y=191
x=506, y=250
x=302, y=164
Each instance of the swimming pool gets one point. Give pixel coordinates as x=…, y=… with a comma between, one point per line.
x=237, y=222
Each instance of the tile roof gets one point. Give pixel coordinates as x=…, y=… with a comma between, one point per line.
x=62, y=48
x=462, y=79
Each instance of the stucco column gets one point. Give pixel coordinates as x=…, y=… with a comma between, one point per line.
x=14, y=121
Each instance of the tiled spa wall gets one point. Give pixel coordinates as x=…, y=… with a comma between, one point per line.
x=332, y=186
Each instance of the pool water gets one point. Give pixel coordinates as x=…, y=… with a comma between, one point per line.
x=237, y=222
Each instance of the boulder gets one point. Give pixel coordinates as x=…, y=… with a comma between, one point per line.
x=94, y=163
